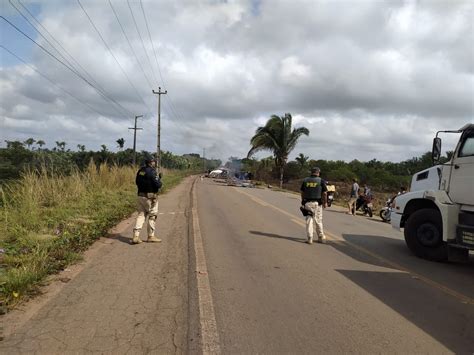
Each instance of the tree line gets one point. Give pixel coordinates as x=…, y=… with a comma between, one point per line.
x=19, y=156
x=279, y=137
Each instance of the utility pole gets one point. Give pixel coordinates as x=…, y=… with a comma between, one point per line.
x=204, y=159
x=135, y=139
x=158, y=146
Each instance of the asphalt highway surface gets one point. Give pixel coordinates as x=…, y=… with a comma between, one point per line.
x=361, y=292
x=234, y=275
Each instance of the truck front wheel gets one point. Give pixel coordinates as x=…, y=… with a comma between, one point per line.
x=424, y=235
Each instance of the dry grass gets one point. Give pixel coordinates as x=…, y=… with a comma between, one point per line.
x=47, y=220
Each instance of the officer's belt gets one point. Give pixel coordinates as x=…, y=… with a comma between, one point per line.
x=148, y=194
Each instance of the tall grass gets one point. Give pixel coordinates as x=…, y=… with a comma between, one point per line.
x=47, y=220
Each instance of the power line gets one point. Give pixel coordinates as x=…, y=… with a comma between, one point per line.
x=156, y=60
x=130, y=45
x=113, y=55
x=34, y=27
x=69, y=68
x=151, y=41
x=141, y=39
x=62, y=47
x=51, y=81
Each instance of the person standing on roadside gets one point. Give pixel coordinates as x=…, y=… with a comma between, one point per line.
x=353, y=197
x=148, y=184
x=313, y=198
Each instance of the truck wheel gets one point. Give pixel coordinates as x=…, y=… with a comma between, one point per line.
x=424, y=235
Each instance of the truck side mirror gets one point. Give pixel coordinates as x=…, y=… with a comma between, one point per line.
x=436, y=151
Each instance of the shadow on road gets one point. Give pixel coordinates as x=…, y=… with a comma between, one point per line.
x=330, y=210
x=356, y=254
x=443, y=317
x=271, y=235
x=119, y=237
x=394, y=250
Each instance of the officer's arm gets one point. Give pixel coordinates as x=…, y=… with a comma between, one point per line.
x=157, y=179
x=325, y=194
x=302, y=192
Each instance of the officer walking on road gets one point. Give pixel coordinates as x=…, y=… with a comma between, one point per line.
x=148, y=184
x=313, y=198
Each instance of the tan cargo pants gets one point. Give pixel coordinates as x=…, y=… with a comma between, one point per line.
x=316, y=220
x=147, y=208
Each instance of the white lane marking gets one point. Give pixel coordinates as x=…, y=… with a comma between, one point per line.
x=207, y=317
x=461, y=297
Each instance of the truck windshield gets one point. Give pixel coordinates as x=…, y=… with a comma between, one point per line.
x=467, y=148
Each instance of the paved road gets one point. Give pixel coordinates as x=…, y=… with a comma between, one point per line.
x=362, y=292
x=233, y=275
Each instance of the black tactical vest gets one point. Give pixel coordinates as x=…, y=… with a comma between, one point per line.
x=312, y=188
x=147, y=180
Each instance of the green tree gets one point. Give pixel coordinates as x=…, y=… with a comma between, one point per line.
x=120, y=143
x=40, y=143
x=14, y=144
x=29, y=142
x=61, y=145
x=104, y=148
x=302, y=160
x=81, y=148
x=277, y=136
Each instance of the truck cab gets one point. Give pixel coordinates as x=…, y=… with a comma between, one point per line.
x=438, y=213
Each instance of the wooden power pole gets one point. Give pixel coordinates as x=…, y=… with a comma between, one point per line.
x=135, y=139
x=158, y=146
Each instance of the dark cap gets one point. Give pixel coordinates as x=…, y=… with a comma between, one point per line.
x=148, y=160
x=315, y=170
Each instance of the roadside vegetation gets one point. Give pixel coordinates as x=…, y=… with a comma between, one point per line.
x=53, y=206
x=280, y=138
x=384, y=178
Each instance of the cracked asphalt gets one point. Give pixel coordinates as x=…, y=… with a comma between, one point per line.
x=122, y=299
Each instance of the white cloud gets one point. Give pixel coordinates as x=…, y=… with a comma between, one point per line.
x=374, y=80
x=293, y=72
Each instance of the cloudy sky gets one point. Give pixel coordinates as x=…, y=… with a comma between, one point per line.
x=369, y=79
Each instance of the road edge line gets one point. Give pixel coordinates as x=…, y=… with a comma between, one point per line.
x=207, y=317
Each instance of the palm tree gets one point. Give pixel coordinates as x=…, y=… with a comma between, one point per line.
x=81, y=147
x=29, y=142
x=277, y=136
x=302, y=160
x=104, y=148
x=61, y=145
x=120, y=143
x=40, y=143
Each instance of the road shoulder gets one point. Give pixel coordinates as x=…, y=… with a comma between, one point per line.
x=120, y=298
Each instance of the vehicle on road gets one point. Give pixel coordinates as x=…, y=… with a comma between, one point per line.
x=438, y=213
x=330, y=194
x=386, y=211
x=364, y=204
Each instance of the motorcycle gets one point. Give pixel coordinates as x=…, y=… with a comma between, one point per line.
x=364, y=203
x=386, y=212
x=331, y=189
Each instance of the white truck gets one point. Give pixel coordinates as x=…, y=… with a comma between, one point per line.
x=438, y=213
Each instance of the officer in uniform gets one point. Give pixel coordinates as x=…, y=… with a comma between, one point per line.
x=313, y=199
x=148, y=184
